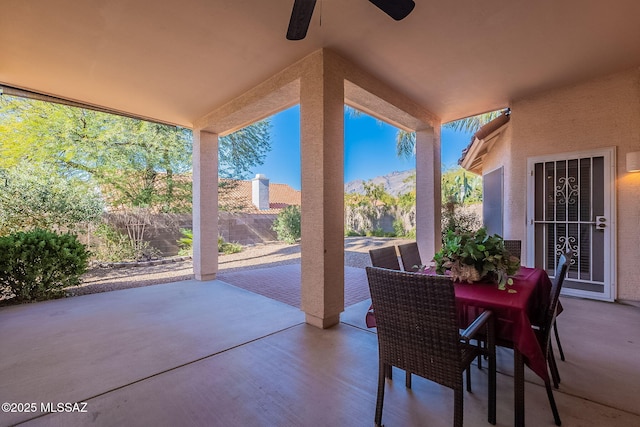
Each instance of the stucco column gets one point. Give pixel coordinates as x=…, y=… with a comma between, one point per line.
x=205, y=205
x=322, y=152
x=428, y=193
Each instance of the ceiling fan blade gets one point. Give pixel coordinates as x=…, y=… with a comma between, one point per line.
x=300, y=19
x=397, y=9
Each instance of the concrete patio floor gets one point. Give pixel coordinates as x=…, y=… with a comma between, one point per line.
x=211, y=354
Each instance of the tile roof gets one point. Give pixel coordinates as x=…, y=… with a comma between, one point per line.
x=280, y=196
x=481, y=143
x=237, y=196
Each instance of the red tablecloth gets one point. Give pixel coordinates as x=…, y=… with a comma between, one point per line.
x=514, y=312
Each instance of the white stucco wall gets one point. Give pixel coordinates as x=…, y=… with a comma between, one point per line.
x=600, y=113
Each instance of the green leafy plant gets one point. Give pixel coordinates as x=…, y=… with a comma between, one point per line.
x=470, y=257
x=37, y=265
x=379, y=232
x=115, y=246
x=185, y=243
x=287, y=224
x=112, y=245
x=227, y=247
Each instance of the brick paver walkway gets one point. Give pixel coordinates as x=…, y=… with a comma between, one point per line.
x=282, y=283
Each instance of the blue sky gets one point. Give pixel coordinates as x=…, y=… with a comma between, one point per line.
x=369, y=149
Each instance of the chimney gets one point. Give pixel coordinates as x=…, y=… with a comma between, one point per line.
x=260, y=191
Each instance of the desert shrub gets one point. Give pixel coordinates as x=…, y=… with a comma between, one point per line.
x=35, y=197
x=410, y=234
x=398, y=227
x=112, y=245
x=122, y=237
x=287, y=224
x=138, y=224
x=185, y=243
x=464, y=218
x=379, y=232
x=37, y=265
x=228, y=248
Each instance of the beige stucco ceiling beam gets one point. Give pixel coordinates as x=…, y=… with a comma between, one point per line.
x=361, y=90
x=263, y=101
x=369, y=94
x=280, y=91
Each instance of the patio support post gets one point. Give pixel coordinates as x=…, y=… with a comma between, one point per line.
x=205, y=205
x=428, y=192
x=322, y=152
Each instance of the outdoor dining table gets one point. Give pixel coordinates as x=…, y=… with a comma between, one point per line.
x=515, y=310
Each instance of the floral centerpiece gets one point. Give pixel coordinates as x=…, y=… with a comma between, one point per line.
x=470, y=257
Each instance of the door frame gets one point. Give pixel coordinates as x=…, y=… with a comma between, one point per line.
x=610, y=261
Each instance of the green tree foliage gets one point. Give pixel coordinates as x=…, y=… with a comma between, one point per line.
x=376, y=193
x=474, y=123
x=35, y=197
x=405, y=144
x=461, y=186
x=456, y=184
x=244, y=149
x=38, y=265
x=134, y=161
x=287, y=224
x=459, y=190
x=138, y=163
x=185, y=243
x=406, y=141
x=365, y=211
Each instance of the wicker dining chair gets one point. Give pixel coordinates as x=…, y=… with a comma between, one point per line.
x=410, y=256
x=385, y=257
x=418, y=331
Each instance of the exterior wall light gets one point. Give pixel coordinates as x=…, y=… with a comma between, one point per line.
x=633, y=161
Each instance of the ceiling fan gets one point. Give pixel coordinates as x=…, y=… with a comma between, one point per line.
x=303, y=9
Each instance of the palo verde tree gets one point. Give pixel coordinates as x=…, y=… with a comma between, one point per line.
x=238, y=154
x=136, y=163
x=133, y=161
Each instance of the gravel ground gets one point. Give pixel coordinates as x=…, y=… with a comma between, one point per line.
x=259, y=256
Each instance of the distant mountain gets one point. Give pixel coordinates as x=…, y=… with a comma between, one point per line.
x=393, y=183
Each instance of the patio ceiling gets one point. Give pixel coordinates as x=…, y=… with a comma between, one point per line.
x=176, y=61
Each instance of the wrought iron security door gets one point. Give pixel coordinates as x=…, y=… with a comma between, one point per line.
x=572, y=210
